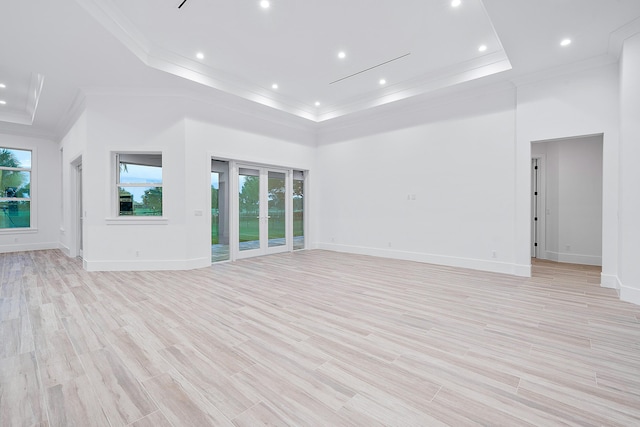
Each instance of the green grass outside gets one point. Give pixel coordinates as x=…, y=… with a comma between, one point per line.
x=249, y=228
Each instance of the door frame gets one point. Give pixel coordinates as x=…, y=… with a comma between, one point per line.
x=542, y=206
x=264, y=249
x=76, y=243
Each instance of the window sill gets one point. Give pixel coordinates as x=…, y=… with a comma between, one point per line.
x=18, y=230
x=137, y=221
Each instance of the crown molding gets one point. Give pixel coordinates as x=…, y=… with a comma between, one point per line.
x=563, y=70
x=71, y=116
x=26, y=115
x=617, y=38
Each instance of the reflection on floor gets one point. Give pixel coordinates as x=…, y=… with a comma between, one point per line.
x=220, y=252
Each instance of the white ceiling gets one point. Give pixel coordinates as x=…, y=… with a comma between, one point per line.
x=417, y=46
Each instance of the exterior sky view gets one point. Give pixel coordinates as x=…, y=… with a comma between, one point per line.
x=135, y=174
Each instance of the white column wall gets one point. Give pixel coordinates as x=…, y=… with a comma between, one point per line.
x=629, y=270
x=133, y=124
x=73, y=146
x=45, y=196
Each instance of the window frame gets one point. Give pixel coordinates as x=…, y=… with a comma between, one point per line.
x=32, y=191
x=116, y=216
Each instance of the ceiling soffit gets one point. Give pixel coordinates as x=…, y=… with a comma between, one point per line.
x=417, y=71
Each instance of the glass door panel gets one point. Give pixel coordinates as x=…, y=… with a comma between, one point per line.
x=277, y=196
x=263, y=211
x=298, y=210
x=249, y=209
x=219, y=211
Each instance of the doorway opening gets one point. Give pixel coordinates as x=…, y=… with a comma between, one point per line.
x=566, y=200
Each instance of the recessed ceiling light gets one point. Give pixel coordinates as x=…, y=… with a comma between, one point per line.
x=200, y=55
x=317, y=103
x=482, y=48
x=265, y=4
x=274, y=86
x=342, y=54
x=565, y=42
x=3, y=102
x=3, y=86
x=456, y=3
x=382, y=82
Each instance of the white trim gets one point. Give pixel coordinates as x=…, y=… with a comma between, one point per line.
x=631, y=295
x=542, y=203
x=74, y=206
x=470, y=263
x=17, y=230
x=137, y=220
x=609, y=281
x=65, y=249
x=574, y=258
x=28, y=247
x=147, y=265
x=617, y=38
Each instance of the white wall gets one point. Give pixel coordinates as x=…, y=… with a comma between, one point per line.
x=441, y=191
x=580, y=103
x=629, y=270
x=45, y=196
x=572, y=199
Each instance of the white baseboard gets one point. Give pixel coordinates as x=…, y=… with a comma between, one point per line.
x=65, y=249
x=146, y=265
x=609, y=281
x=629, y=294
x=28, y=247
x=474, y=264
x=573, y=258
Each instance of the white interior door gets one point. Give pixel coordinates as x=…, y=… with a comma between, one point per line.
x=263, y=211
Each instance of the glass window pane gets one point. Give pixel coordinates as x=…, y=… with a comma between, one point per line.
x=298, y=214
x=15, y=184
x=249, y=197
x=134, y=174
x=15, y=214
x=15, y=158
x=145, y=201
x=276, y=196
x=219, y=211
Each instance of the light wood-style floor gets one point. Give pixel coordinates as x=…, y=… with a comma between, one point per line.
x=313, y=338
